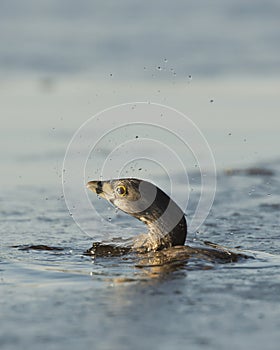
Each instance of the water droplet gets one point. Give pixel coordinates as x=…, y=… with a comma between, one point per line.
x=211, y=101
x=165, y=60
x=190, y=77
x=110, y=219
x=229, y=134
x=159, y=68
x=136, y=136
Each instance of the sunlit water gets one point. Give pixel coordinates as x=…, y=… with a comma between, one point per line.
x=132, y=51
x=110, y=302
x=60, y=299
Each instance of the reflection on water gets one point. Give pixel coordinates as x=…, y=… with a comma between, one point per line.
x=178, y=297
x=142, y=266
x=52, y=294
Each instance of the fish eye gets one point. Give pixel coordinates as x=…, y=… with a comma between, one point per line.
x=121, y=190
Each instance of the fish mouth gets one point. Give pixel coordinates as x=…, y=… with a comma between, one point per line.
x=101, y=188
x=95, y=186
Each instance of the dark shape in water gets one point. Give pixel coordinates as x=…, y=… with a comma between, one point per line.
x=37, y=247
x=99, y=249
x=250, y=172
x=167, y=226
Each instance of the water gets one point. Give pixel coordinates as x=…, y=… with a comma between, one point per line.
x=47, y=296
x=130, y=40
x=60, y=64
x=63, y=299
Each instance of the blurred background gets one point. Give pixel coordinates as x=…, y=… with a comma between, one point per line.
x=130, y=39
x=63, y=61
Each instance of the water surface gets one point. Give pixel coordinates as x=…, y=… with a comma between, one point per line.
x=61, y=63
x=108, y=302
